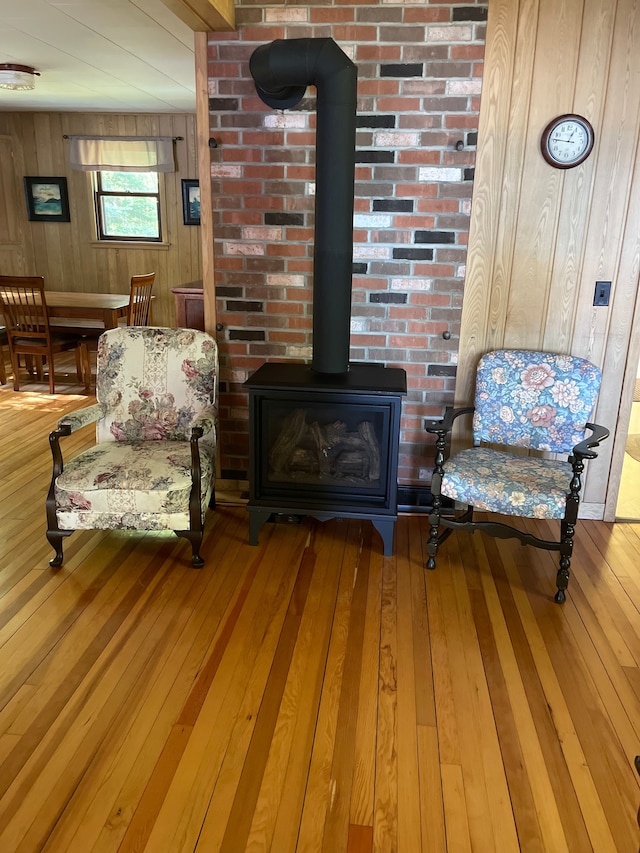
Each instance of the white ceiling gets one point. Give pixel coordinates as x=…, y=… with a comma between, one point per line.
x=98, y=56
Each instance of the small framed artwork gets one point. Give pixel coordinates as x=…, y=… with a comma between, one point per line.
x=191, y=202
x=47, y=199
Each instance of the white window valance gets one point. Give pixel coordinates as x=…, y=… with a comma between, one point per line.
x=122, y=153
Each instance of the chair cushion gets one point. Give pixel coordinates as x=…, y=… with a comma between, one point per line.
x=143, y=485
x=497, y=481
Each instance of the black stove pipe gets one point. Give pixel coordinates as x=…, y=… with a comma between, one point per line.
x=282, y=70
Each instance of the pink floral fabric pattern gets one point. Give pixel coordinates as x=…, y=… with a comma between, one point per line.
x=153, y=386
x=535, y=400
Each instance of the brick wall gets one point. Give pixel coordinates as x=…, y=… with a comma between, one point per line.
x=419, y=80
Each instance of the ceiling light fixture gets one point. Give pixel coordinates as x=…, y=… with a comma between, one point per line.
x=17, y=76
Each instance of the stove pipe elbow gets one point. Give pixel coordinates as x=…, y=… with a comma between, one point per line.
x=282, y=70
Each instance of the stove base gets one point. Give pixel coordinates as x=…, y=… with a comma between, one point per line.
x=384, y=524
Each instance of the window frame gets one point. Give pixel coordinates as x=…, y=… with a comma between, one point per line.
x=99, y=193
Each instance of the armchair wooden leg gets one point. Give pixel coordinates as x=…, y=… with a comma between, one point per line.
x=434, y=522
x=562, y=578
x=195, y=537
x=55, y=538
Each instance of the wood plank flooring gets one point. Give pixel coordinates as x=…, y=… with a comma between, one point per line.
x=307, y=694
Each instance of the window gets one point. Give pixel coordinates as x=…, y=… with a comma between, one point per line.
x=128, y=206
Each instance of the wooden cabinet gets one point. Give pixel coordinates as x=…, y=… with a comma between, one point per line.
x=189, y=299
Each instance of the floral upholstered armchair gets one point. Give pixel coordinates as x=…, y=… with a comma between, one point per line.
x=534, y=400
x=153, y=465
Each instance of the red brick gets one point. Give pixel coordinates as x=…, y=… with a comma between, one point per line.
x=272, y=172
x=425, y=14
x=430, y=270
x=401, y=221
x=301, y=173
x=355, y=33
x=260, y=138
x=284, y=308
x=244, y=188
x=331, y=16
x=416, y=190
x=224, y=263
x=295, y=265
x=414, y=155
x=467, y=51
x=259, y=34
x=363, y=340
x=378, y=87
x=224, y=69
x=422, y=298
x=378, y=53
x=243, y=217
x=260, y=202
x=288, y=337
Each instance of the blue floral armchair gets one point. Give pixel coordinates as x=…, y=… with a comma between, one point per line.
x=534, y=400
x=153, y=465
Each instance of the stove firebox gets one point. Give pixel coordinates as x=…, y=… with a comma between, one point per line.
x=325, y=445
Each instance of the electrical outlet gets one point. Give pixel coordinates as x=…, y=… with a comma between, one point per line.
x=602, y=293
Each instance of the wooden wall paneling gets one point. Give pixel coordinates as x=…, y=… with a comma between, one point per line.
x=593, y=62
x=10, y=221
x=603, y=334
x=621, y=357
x=511, y=179
x=557, y=36
x=612, y=185
x=170, y=126
x=83, y=217
x=55, y=236
x=492, y=147
x=32, y=165
x=619, y=438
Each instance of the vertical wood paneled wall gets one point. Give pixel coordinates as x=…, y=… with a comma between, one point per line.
x=540, y=237
x=67, y=254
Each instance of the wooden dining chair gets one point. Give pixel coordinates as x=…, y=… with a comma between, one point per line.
x=140, y=299
x=24, y=308
x=141, y=288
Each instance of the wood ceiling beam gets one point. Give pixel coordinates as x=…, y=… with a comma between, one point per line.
x=205, y=15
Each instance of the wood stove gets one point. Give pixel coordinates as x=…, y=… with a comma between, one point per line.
x=325, y=446
x=324, y=438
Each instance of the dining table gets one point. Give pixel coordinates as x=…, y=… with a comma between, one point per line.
x=103, y=308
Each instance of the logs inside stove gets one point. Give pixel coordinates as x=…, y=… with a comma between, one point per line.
x=324, y=437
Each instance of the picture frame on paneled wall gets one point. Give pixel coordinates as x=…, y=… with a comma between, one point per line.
x=191, y=202
x=47, y=199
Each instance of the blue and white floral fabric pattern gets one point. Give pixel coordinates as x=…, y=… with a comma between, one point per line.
x=534, y=399
x=153, y=386
x=495, y=481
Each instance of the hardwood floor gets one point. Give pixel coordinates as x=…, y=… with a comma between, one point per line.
x=307, y=694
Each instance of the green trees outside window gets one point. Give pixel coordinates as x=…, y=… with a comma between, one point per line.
x=128, y=206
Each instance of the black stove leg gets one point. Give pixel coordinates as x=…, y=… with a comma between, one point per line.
x=385, y=528
x=257, y=518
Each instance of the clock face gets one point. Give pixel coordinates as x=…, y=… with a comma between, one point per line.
x=567, y=141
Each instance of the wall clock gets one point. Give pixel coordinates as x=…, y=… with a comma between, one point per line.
x=567, y=141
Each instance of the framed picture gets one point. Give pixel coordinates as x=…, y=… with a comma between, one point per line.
x=191, y=202
x=47, y=199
